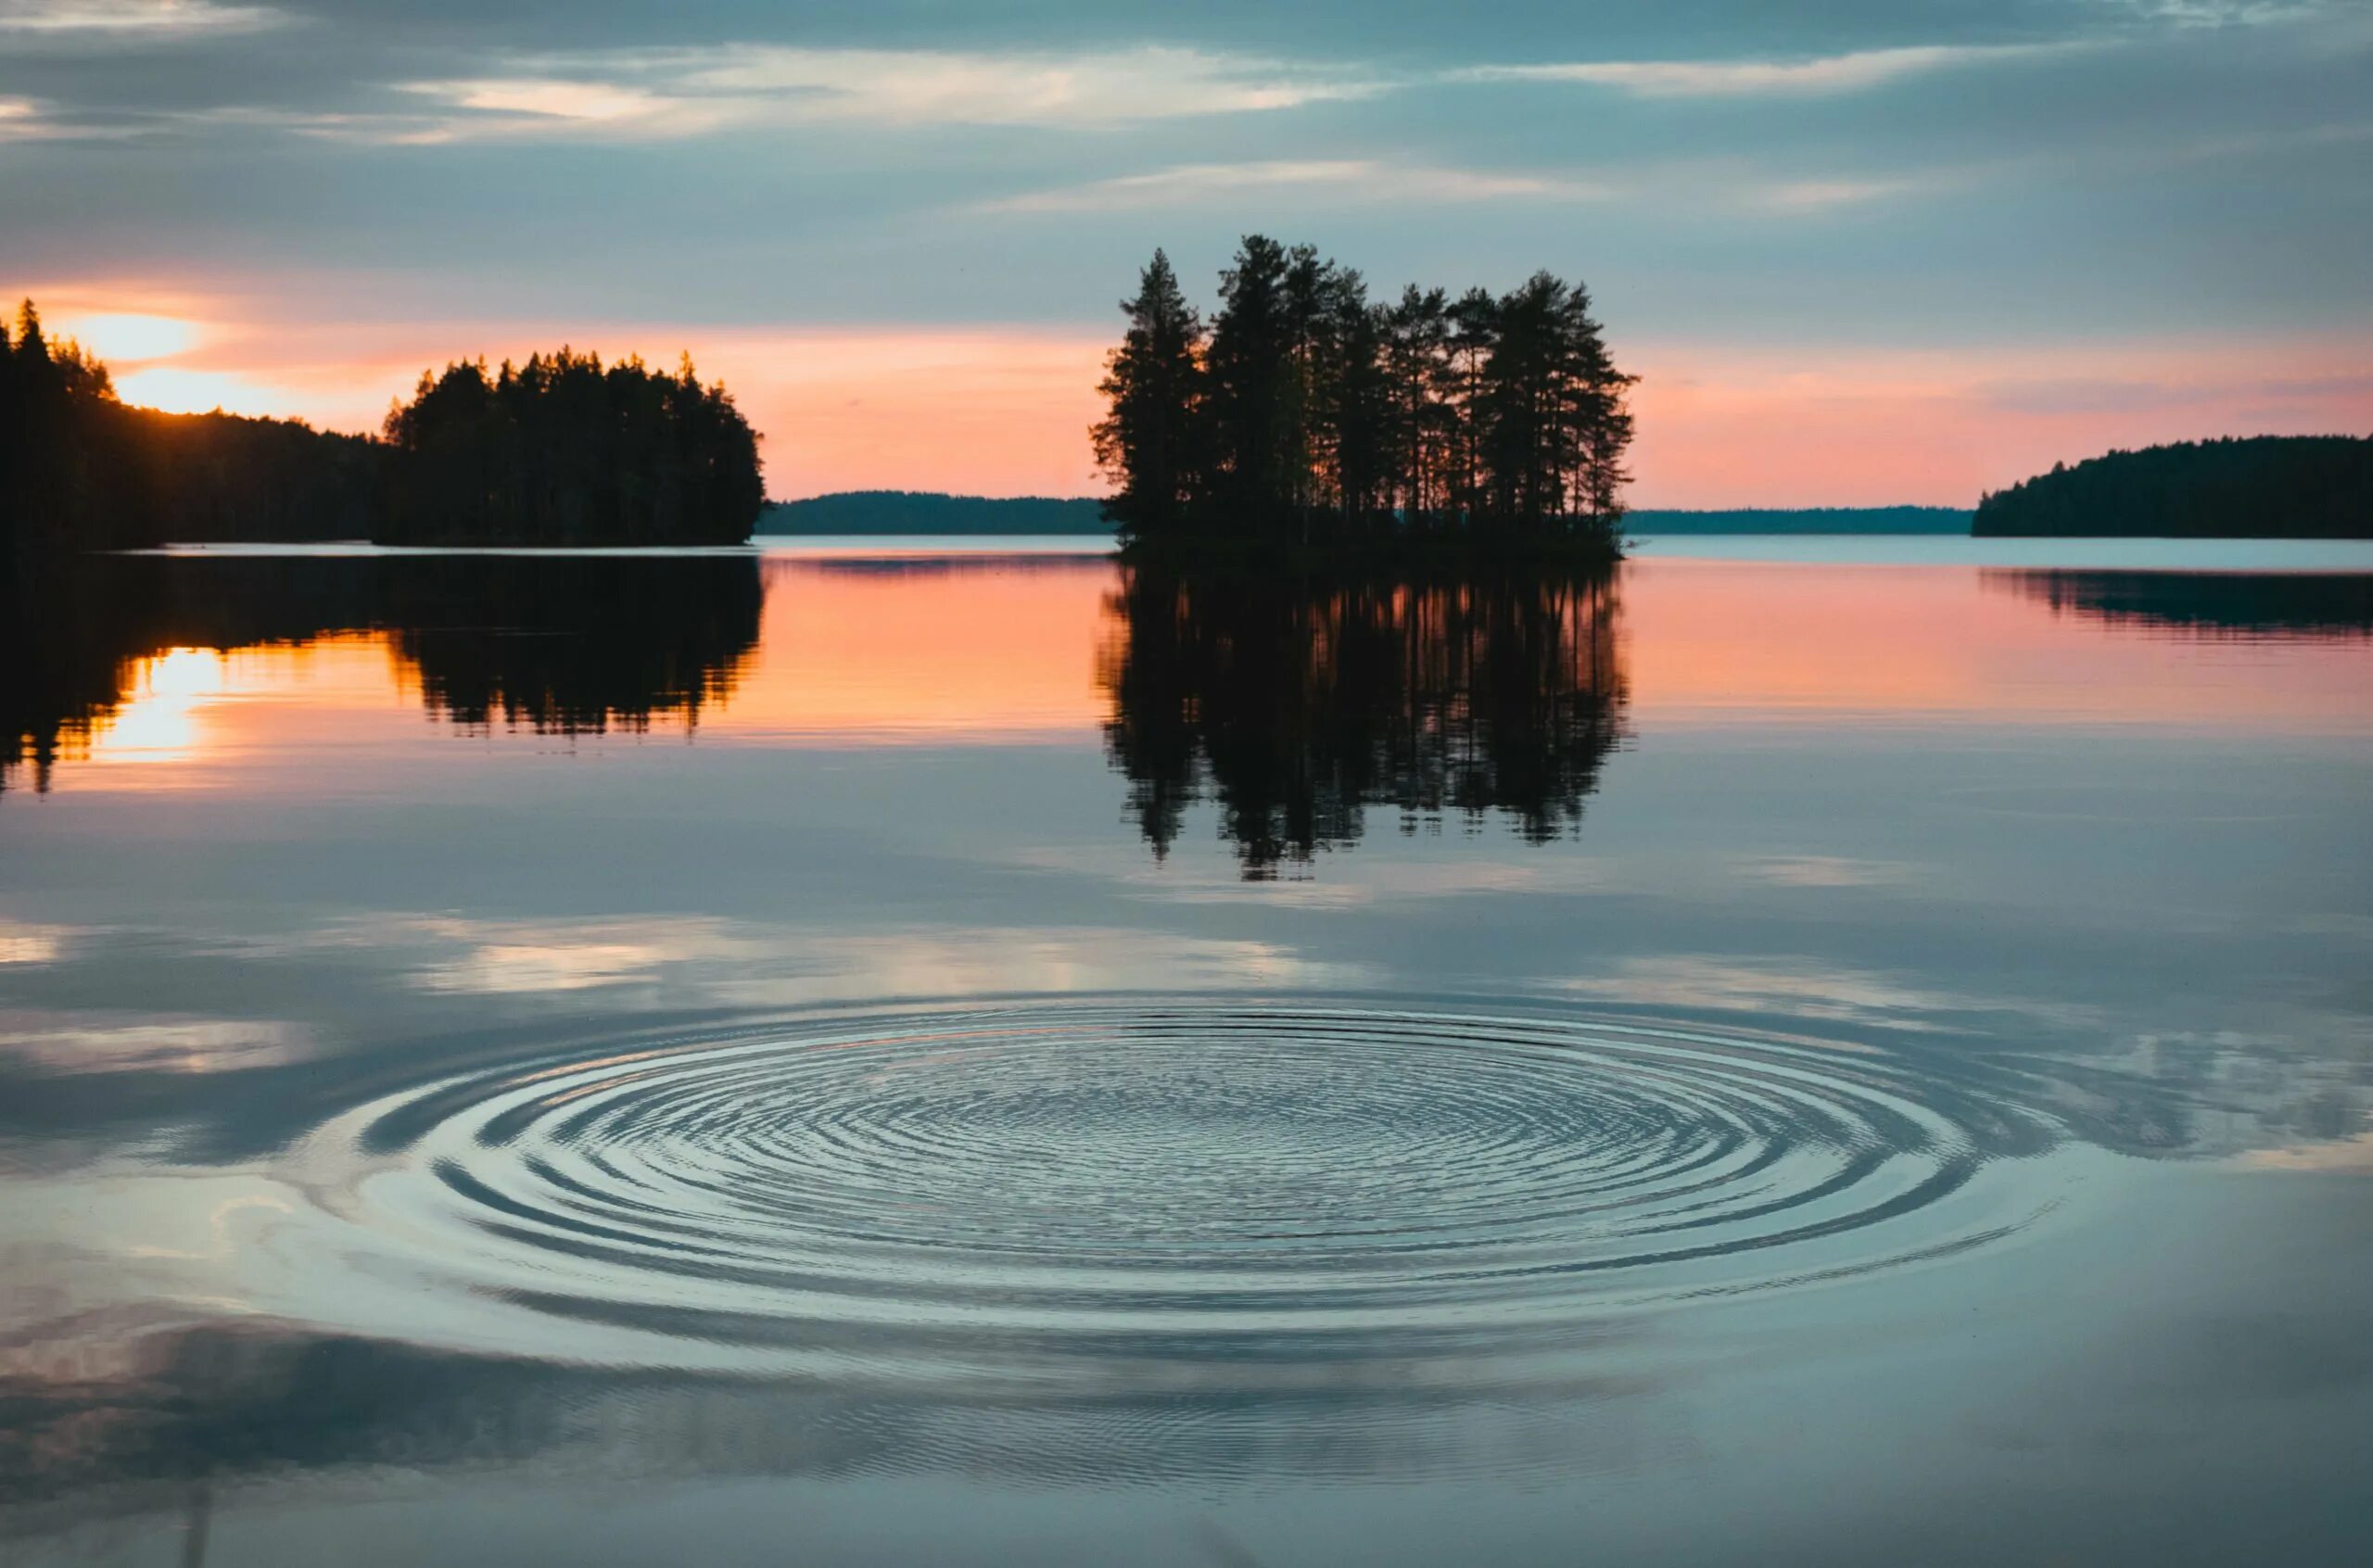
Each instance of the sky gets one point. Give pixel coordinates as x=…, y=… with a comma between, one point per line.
x=1860, y=253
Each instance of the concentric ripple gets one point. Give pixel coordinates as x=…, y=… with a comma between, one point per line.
x=1023, y=1183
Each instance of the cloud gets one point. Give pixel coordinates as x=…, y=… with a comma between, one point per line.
x=1821, y=196
x=1357, y=178
x=930, y=87
x=678, y=93
x=1816, y=76
x=132, y=19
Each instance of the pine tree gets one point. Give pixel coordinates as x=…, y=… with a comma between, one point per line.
x=1150, y=443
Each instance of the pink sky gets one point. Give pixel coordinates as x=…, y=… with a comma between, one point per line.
x=1004, y=411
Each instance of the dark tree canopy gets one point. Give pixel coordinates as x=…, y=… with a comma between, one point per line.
x=2260, y=487
x=563, y=451
x=1309, y=415
x=80, y=470
x=560, y=451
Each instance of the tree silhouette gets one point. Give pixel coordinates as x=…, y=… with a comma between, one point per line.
x=1147, y=445
x=2261, y=486
x=1315, y=417
x=562, y=451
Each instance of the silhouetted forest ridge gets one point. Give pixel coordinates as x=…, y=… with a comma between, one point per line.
x=559, y=452
x=563, y=451
x=925, y=512
x=79, y=470
x=2258, y=486
x=565, y=645
x=1307, y=415
x=1295, y=702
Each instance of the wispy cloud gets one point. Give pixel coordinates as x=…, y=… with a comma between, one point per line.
x=1338, y=179
x=926, y=87
x=665, y=94
x=132, y=19
x=1813, y=76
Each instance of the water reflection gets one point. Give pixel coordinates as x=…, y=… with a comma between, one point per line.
x=1866, y=1111
x=2209, y=605
x=556, y=645
x=1296, y=703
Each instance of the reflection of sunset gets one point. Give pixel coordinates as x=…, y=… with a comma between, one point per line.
x=196, y=704
x=933, y=653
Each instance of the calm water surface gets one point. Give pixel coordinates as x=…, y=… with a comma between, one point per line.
x=1843, y=1051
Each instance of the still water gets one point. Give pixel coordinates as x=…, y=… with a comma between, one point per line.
x=962, y=1055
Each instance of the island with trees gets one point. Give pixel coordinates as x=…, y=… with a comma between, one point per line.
x=560, y=451
x=1307, y=417
x=2260, y=487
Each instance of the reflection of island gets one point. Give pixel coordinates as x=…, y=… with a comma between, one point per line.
x=555, y=644
x=1296, y=704
x=2212, y=604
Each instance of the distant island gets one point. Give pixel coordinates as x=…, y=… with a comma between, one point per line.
x=562, y=450
x=926, y=512
x=2259, y=486
x=1306, y=418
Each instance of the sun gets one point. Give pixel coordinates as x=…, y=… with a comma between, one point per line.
x=195, y=391
x=117, y=336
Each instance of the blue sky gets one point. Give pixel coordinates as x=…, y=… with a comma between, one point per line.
x=2034, y=224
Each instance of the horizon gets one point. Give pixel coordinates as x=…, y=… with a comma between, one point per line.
x=1857, y=259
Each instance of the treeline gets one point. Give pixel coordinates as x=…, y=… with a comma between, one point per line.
x=563, y=451
x=559, y=452
x=80, y=470
x=1306, y=414
x=2259, y=486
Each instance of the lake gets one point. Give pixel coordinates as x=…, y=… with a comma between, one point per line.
x=904, y=1051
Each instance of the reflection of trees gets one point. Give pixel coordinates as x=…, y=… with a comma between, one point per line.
x=1296, y=704
x=556, y=644
x=2288, y=604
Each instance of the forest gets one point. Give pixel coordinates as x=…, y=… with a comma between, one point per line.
x=561, y=450
x=1306, y=414
x=79, y=470
x=2259, y=486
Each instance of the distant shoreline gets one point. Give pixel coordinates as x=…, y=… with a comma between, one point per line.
x=917, y=511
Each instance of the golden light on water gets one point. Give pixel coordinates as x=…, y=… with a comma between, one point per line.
x=159, y=723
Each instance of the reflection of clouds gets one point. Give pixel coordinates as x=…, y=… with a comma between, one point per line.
x=1357, y=887
x=1825, y=871
x=1800, y=987
x=2273, y=1101
x=86, y=1043
x=527, y=956
x=21, y=943
x=752, y=963
x=2348, y=1156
